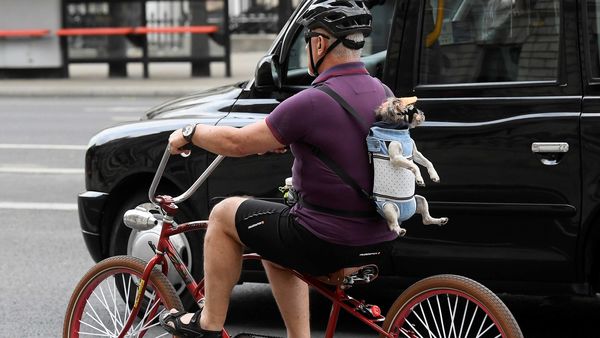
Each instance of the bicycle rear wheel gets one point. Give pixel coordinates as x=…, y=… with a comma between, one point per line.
x=450, y=306
x=104, y=298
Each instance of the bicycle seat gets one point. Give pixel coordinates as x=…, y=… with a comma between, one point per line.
x=351, y=276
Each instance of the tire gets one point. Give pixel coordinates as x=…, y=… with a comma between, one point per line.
x=463, y=306
x=125, y=241
x=102, y=298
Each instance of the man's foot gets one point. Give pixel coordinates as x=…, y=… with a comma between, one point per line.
x=183, y=324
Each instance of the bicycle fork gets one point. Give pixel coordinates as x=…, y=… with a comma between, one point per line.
x=158, y=258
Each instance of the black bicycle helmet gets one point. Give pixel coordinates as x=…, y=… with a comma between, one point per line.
x=338, y=17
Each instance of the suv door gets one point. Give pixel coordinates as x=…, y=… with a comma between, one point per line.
x=590, y=140
x=499, y=82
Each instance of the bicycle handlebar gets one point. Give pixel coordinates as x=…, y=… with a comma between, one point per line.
x=192, y=189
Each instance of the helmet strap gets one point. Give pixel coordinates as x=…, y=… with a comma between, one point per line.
x=316, y=66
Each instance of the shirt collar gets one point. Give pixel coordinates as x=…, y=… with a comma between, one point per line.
x=349, y=68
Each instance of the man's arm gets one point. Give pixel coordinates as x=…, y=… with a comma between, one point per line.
x=229, y=141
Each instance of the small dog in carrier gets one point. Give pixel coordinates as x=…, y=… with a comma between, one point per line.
x=393, y=153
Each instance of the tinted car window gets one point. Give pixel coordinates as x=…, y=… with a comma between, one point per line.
x=382, y=12
x=474, y=41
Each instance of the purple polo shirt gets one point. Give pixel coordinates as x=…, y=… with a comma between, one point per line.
x=312, y=117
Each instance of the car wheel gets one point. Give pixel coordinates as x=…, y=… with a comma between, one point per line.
x=125, y=241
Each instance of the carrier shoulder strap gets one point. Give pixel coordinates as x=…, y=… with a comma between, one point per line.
x=328, y=161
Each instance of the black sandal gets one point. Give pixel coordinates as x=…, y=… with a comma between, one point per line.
x=171, y=322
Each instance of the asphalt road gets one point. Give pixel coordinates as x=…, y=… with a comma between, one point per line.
x=42, y=147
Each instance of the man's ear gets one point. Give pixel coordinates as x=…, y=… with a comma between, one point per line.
x=320, y=44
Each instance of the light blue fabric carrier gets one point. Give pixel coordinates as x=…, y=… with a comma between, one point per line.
x=392, y=184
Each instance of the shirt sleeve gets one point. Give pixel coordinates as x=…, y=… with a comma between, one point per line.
x=291, y=119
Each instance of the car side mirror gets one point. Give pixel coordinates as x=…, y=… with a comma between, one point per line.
x=267, y=75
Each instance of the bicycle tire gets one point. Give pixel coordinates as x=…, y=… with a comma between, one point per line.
x=408, y=316
x=92, y=311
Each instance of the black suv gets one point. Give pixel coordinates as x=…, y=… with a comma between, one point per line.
x=511, y=90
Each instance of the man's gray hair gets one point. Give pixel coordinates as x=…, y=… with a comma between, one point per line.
x=342, y=51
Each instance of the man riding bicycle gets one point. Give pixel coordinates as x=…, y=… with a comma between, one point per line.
x=332, y=227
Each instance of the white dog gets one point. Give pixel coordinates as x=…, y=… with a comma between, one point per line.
x=395, y=111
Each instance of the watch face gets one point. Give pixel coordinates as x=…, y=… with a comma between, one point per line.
x=187, y=130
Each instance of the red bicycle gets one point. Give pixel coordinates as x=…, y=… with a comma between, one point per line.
x=123, y=296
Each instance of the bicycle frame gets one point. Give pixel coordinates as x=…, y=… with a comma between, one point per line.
x=368, y=314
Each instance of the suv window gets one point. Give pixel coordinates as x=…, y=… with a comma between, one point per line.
x=375, y=44
x=474, y=41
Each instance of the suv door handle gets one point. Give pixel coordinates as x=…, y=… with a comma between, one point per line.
x=550, y=153
x=550, y=147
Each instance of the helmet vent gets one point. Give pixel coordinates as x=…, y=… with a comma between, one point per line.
x=342, y=3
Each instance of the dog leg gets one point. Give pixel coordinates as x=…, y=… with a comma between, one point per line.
x=423, y=210
x=422, y=160
x=391, y=212
x=398, y=160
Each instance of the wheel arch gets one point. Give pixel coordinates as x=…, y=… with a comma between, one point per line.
x=121, y=193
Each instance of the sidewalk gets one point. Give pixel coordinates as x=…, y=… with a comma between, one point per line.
x=166, y=80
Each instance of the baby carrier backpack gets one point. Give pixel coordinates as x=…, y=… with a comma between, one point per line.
x=390, y=183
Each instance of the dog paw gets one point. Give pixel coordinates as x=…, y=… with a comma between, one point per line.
x=420, y=182
x=397, y=229
x=435, y=179
x=444, y=221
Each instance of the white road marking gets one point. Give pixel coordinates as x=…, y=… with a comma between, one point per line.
x=30, y=170
x=38, y=206
x=42, y=146
x=118, y=109
x=125, y=118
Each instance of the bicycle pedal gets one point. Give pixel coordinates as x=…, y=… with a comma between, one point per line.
x=252, y=335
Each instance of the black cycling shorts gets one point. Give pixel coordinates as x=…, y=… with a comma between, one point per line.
x=268, y=229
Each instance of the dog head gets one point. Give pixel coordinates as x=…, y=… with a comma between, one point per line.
x=400, y=110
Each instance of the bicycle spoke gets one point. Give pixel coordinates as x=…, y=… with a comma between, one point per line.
x=431, y=334
x=434, y=319
x=426, y=323
x=113, y=317
x=97, y=318
x=147, y=311
x=479, y=333
x=437, y=300
x=106, y=332
x=414, y=329
x=472, y=319
x=116, y=309
x=452, y=315
x=464, y=316
x=93, y=334
x=149, y=308
x=126, y=289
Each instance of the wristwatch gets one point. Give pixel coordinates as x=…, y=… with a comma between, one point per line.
x=188, y=132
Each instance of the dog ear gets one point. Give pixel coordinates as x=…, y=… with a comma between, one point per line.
x=407, y=101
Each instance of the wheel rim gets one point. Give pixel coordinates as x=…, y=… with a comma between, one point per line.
x=445, y=313
x=102, y=310
x=137, y=246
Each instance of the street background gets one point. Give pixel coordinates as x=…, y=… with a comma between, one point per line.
x=45, y=127
x=44, y=130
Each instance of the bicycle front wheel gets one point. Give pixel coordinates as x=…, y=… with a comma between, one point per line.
x=103, y=301
x=450, y=306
